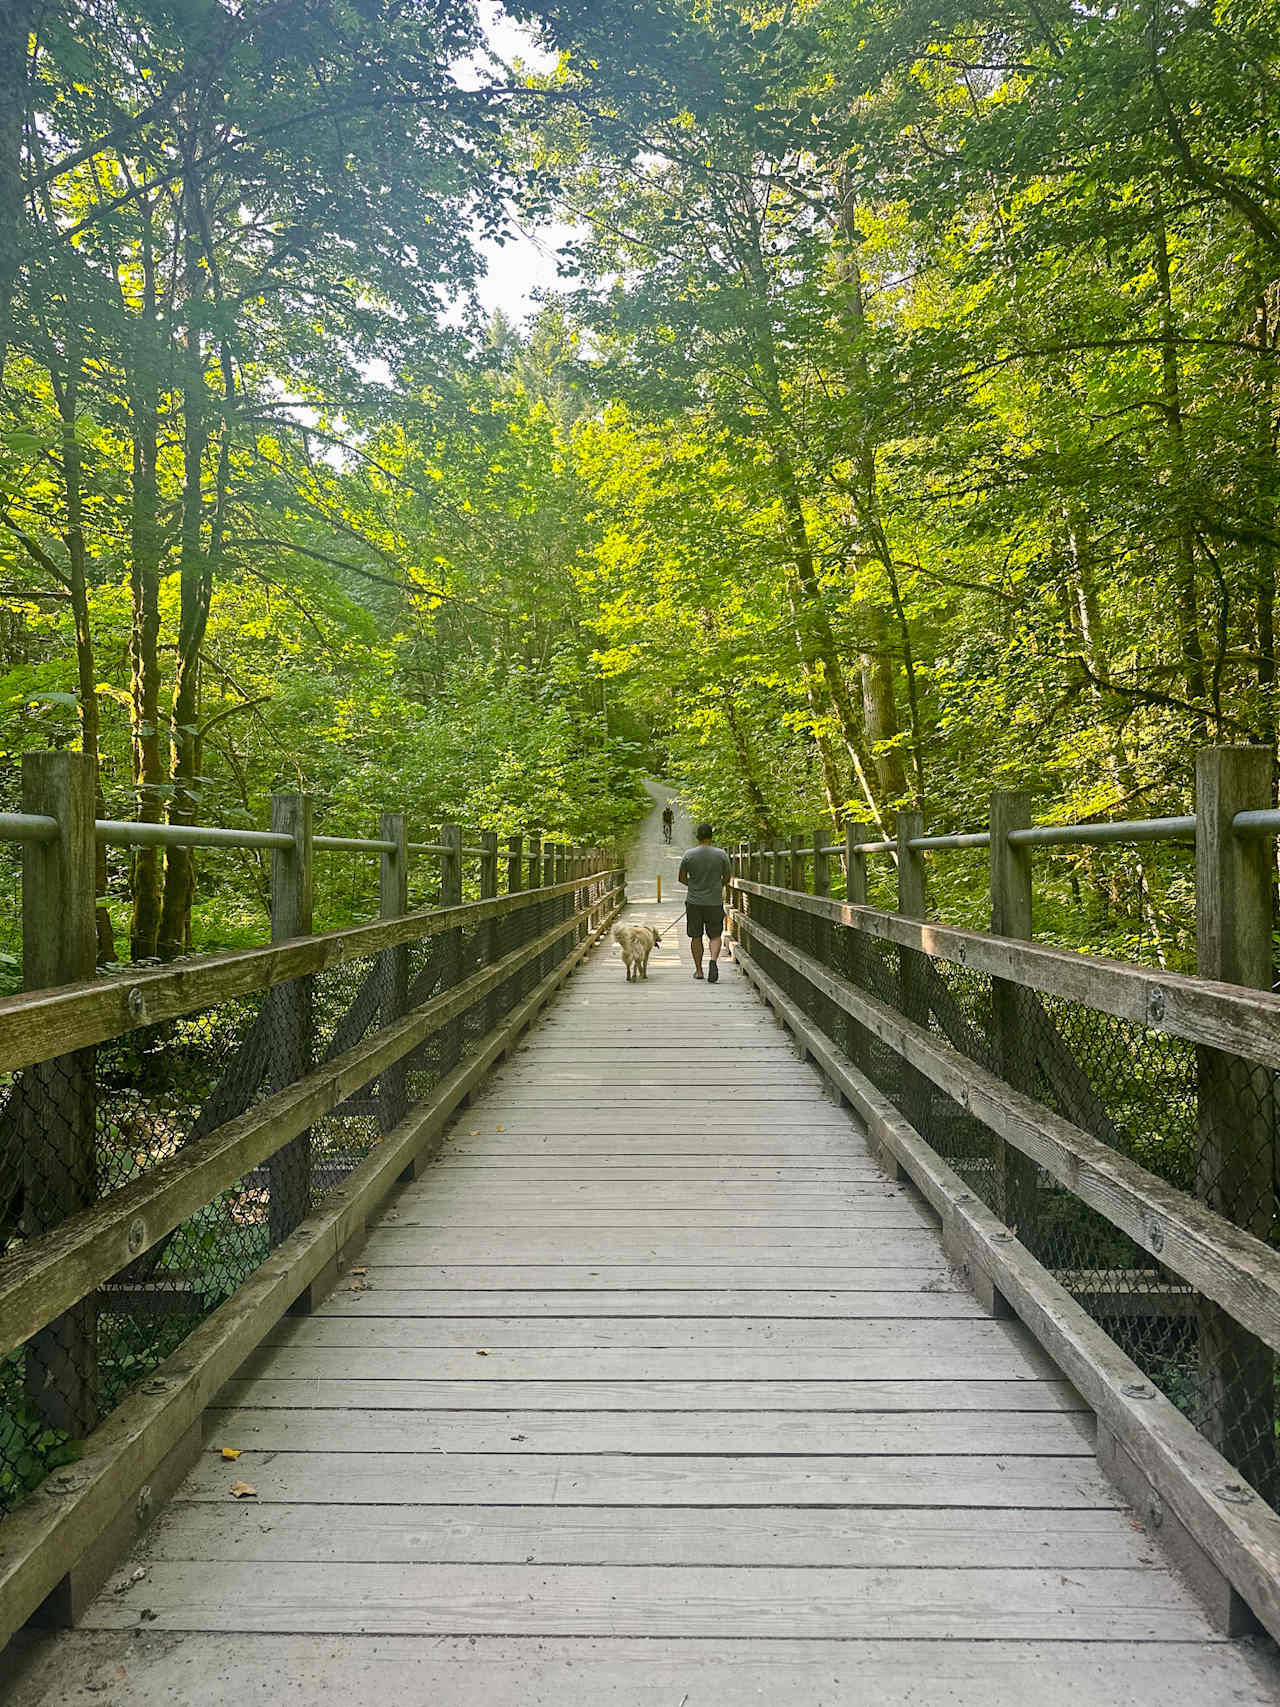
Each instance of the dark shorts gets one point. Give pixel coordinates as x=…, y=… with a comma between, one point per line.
x=699, y=919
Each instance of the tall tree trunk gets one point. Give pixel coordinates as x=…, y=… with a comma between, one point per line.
x=146, y=552
x=746, y=766
x=1118, y=762
x=195, y=591
x=13, y=108
x=879, y=703
x=813, y=625
x=1190, y=651
x=1268, y=501
x=879, y=688
x=67, y=395
x=817, y=640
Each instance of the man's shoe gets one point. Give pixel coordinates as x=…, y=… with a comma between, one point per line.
x=713, y=973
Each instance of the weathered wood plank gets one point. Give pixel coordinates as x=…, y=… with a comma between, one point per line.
x=636, y=1245
x=850, y=1219
x=900, y=1536
x=707, y=1278
x=1125, y=1605
x=690, y=1479
x=269, y=1390
x=925, y=1340
x=361, y=1361
x=134, y=1668
x=386, y=1293
x=962, y=1434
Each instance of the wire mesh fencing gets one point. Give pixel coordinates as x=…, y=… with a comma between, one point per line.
x=1201, y=1121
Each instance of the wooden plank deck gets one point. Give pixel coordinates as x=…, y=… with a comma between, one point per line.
x=654, y=1391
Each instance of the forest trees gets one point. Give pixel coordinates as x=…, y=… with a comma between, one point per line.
x=983, y=309
x=909, y=423
x=234, y=356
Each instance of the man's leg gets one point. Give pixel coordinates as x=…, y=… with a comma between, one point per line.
x=695, y=949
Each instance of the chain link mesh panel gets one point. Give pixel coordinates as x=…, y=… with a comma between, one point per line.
x=1201, y=1121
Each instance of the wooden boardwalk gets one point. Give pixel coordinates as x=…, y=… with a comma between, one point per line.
x=653, y=1391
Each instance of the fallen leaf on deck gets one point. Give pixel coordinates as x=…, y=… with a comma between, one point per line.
x=482, y=1354
x=359, y=1271
x=230, y=1452
x=243, y=1491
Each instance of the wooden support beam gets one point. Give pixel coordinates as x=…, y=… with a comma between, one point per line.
x=515, y=864
x=56, y=1099
x=1235, y=1165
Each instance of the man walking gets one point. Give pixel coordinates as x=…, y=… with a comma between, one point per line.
x=705, y=870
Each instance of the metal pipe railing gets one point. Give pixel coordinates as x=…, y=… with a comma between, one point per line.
x=939, y=844
x=27, y=827
x=351, y=844
x=1088, y=835
x=124, y=833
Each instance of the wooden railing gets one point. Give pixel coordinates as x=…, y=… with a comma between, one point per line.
x=189, y=1151
x=1099, y=1139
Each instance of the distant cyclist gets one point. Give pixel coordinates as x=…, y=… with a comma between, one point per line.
x=668, y=822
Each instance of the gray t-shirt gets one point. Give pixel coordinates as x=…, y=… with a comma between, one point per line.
x=705, y=869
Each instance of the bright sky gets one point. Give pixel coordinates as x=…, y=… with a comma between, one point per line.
x=526, y=263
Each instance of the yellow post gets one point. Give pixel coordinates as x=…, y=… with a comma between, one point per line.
x=659, y=888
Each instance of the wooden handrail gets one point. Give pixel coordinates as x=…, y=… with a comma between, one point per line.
x=1222, y=1261
x=37, y=1025
x=1228, y=1017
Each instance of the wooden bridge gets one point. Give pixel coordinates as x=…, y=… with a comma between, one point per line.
x=684, y=1368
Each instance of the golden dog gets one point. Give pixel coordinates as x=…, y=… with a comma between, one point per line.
x=637, y=943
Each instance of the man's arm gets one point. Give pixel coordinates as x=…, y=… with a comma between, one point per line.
x=682, y=876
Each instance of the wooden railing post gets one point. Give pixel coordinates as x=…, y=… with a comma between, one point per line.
x=1011, y=915
x=56, y=1110
x=451, y=896
x=393, y=903
x=821, y=861
x=293, y=1024
x=912, y=904
x=1237, y=1132
x=535, y=862
x=796, y=863
x=855, y=892
x=489, y=892
x=515, y=864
